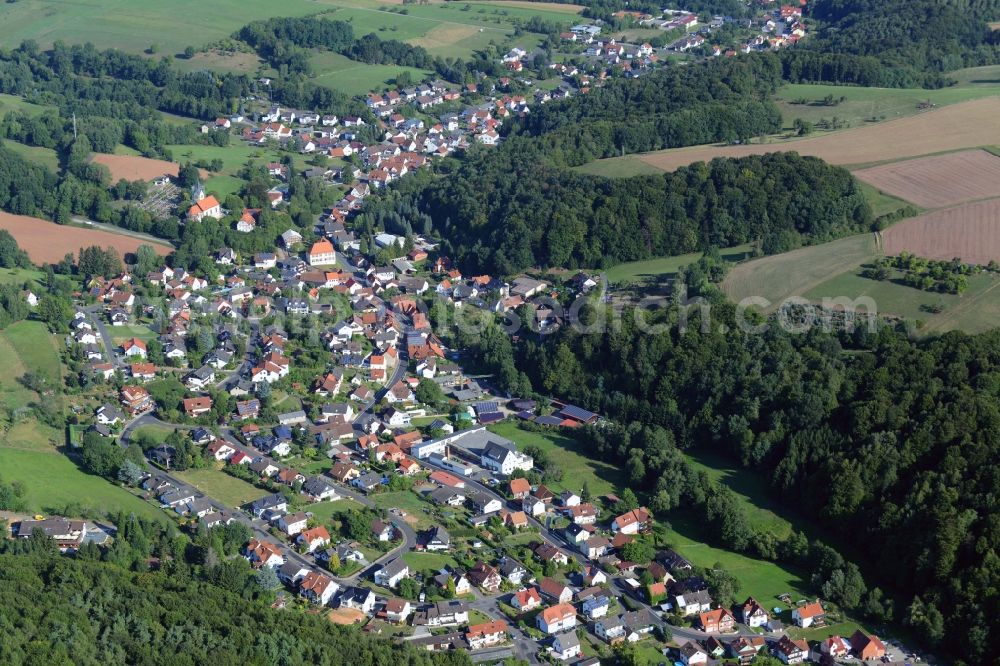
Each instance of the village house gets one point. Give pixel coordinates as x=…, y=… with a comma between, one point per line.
x=392, y=573
x=526, y=600
x=752, y=613
x=556, y=619
x=632, y=522
x=486, y=635
x=318, y=588
x=791, y=651
x=808, y=615
x=263, y=554
x=397, y=610
x=717, y=621
x=566, y=646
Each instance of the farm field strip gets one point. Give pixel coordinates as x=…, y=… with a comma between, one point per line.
x=131, y=167
x=966, y=125
x=938, y=181
x=857, y=105
x=970, y=232
x=48, y=242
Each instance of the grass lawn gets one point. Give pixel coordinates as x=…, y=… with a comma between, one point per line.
x=154, y=431
x=19, y=276
x=881, y=202
x=619, y=167
x=31, y=435
x=16, y=103
x=223, y=186
x=25, y=346
x=52, y=481
x=650, y=650
x=357, y=78
x=865, y=105
x=218, y=485
x=522, y=538
x=764, y=512
x=409, y=502
x=234, y=156
x=35, y=346
x=665, y=267
x=121, y=333
x=764, y=580
x=429, y=561
x=576, y=466
x=325, y=511
x=45, y=157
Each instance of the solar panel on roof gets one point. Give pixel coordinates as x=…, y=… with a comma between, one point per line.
x=578, y=413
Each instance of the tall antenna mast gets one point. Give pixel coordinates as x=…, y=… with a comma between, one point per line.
x=74, y=125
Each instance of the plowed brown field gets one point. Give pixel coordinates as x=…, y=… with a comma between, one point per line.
x=970, y=232
x=966, y=125
x=938, y=181
x=48, y=242
x=135, y=168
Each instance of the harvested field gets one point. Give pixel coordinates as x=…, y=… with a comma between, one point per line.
x=792, y=274
x=939, y=181
x=135, y=168
x=966, y=125
x=346, y=616
x=445, y=35
x=970, y=232
x=48, y=242
x=528, y=4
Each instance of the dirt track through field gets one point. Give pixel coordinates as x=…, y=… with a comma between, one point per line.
x=970, y=232
x=966, y=125
x=940, y=180
x=48, y=242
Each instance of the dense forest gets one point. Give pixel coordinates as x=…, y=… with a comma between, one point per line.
x=107, y=607
x=888, y=444
x=914, y=40
x=720, y=100
x=507, y=211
